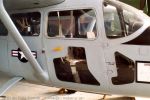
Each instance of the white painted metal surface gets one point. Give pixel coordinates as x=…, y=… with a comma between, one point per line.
x=27, y=4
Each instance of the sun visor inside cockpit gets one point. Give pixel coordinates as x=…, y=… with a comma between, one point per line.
x=27, y=4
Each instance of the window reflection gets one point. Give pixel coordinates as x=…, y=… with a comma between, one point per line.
x=72, y=24
x=28, y=24
x=119, y=22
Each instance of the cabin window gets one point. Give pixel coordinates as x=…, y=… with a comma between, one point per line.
x=28, y=24
x=72, y=24
x=74, y=67
x=3, y=30
x=119, y=22
x=125, y=70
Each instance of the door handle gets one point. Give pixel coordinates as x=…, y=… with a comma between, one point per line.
x=110, y=63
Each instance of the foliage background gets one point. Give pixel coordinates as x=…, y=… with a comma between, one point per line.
x=134, y=3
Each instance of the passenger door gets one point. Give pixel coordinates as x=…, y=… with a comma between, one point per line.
x=70, y=46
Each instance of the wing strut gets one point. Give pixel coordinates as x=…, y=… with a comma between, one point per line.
x=5, y=18
x=11, y=82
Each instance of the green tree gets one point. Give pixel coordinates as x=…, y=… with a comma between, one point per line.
x=140, y=4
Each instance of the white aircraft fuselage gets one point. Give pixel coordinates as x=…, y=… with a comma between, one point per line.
x=99, y=46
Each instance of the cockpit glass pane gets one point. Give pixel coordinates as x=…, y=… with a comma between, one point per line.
x=119, y=22
x=112, y=22
x=132, y=23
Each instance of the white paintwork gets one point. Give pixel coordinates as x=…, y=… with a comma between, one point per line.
x=28, y=4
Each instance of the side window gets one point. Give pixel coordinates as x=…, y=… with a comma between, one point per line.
x=3, y=30
x=119, y=22
x=74, y=67
x=125, y=70
x=72, y=24
x=28, y=24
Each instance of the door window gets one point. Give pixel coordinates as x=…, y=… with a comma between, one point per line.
x=72, y=24
x=74, y=67
x=125, y=70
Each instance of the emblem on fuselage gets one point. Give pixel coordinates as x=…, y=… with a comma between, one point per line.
x=20, y=55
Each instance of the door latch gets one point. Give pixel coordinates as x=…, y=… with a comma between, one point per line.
x=110, y=63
